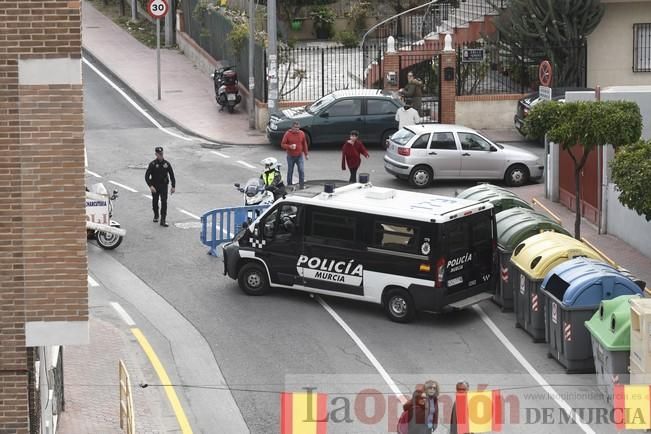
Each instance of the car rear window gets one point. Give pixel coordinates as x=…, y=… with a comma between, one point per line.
x=402, y=137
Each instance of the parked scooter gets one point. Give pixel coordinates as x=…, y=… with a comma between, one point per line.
x=227, y=92
x=99, y=224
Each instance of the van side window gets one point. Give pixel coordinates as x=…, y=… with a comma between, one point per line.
x=396, y=237
x=333, y=225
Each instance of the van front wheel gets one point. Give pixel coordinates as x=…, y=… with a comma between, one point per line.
x=253, y=279
x=399, y=306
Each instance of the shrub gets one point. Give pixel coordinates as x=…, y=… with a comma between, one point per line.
x=631, y=174
x=347, y=38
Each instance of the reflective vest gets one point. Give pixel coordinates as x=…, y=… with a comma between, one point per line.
x=268, y=177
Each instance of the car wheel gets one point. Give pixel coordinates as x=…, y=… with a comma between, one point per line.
x=399, y=306
x=385, y=138
x=253, y=279
x=516, y=175
x=420, y=176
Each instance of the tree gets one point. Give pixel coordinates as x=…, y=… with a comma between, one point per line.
x=585, y=125
x=533, y=30
x=631, y=173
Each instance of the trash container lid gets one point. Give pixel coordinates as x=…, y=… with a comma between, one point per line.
x=584, y=282
x=483, y=187
x=499, y=197
x=538, y=254
x=515, y=225
x=611, y=323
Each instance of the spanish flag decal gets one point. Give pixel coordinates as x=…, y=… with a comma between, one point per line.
x=632, y=407
x=303, y=413
x=479, y=412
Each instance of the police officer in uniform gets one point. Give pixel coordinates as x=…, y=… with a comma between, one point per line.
x=272, y=178
x=159, y=174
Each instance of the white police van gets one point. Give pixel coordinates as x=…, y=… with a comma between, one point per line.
x=404, y=250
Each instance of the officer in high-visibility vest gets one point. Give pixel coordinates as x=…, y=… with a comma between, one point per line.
x=272, y=178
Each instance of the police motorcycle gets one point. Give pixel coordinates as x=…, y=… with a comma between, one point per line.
x=227, y=92
x=99, y=212
x=256, y=192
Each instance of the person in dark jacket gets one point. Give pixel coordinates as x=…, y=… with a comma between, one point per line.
x=462, y=386
x=414, y=90
x=432, y=405
x=351, y=153
x=158, y=175
x=417, y=411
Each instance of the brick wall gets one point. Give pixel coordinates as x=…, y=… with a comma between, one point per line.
x=43, y=264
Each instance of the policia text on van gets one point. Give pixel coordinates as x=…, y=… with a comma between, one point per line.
x=404, y=250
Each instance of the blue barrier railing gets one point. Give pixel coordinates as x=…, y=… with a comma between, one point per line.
x=221, y=225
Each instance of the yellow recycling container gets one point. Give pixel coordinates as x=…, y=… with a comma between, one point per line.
x=533, y=259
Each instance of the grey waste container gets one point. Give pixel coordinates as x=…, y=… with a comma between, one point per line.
x=515, y=225
x=573, y=292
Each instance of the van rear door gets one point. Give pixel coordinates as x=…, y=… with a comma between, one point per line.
x=468, y=252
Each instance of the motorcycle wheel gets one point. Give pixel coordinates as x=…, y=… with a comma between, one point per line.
x=231, y=108
x=108, y=241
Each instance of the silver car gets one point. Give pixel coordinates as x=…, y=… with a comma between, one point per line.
x=422, y=153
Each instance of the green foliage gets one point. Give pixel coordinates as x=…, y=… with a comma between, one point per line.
x=549, y=29
x=238, y=37
x=347, y=38
x=631, y=173
x=357, y=16
x=324, y=19
x=541, y=119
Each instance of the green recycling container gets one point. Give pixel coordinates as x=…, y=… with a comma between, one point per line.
x=501, y=198
x=610, y=331
x=515, y=225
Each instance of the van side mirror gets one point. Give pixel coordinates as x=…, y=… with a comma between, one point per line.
x=236, y=185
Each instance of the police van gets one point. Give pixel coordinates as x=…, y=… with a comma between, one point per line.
x=406, y=251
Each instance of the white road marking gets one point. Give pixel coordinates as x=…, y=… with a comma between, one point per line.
x=220, y=154
x=532, y=371
x=123, y=314
x=385, y=375
x=134, y=104
x=189, y=213
x=245, y=164
x=93, y=174
x=148, y=196
x=126, y=187
x=92, y=282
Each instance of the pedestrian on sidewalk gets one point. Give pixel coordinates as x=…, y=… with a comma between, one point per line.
x=462, y=386
x=158, y=175
x=295, y=144
x=432, y=405
x=407, y=115
x=413, y=418
x=351, y=153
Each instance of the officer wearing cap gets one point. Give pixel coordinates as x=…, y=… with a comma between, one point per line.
x=159, y=174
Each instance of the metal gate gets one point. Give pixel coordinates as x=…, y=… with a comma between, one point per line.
x=427, y=68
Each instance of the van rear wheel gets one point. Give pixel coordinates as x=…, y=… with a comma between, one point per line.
x=399, y=306
x=253, y=279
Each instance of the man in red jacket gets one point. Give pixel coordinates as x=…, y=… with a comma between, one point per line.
x=295, y=144
x=351, y=155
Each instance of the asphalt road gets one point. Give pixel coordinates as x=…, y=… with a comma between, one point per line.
x=288, y=341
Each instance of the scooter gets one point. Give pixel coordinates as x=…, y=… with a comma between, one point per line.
x=99, y=224
x=227, y=92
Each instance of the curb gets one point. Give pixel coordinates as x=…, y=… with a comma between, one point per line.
x=160, y=117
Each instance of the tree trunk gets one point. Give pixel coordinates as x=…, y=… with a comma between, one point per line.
x=577, y=202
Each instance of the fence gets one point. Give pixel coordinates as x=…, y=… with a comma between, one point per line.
x=485, y=68
x=308, y=73
x=211, y=30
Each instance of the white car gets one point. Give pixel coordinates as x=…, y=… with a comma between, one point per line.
x=423, y=153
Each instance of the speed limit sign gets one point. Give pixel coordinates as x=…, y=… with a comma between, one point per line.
x=157, y=8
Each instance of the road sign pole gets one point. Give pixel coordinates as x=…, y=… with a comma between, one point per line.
x=158, y=54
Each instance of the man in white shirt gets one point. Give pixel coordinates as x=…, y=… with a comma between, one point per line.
x=407, y=115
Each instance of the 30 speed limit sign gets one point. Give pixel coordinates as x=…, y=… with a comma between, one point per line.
x=157, y=8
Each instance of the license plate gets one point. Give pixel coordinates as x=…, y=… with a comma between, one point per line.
x=455, y=281
x=231, y=97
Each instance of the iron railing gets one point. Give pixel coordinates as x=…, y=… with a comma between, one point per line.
x=642, y=47
x=210, y=29
x=510, y=70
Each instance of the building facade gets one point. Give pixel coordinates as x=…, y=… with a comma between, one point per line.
x=43, y=261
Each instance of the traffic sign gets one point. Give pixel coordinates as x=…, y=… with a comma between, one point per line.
x=545, y=73
x=545, y=93
x=157, y=8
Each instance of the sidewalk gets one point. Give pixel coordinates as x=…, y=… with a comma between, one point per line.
x=187, y=96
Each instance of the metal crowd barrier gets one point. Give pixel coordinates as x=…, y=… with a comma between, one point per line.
x=221, y=225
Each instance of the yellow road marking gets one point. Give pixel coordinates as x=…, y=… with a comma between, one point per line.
x=165, y=380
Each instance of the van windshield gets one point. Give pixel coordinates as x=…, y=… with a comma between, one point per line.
x=402, y=137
